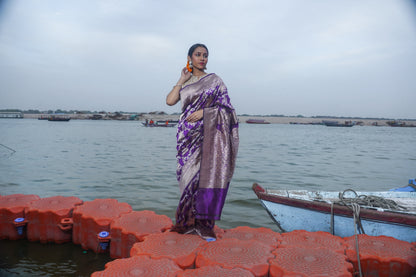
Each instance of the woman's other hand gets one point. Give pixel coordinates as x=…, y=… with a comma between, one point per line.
x=195, y=116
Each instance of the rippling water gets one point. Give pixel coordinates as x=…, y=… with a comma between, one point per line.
x=134, y=164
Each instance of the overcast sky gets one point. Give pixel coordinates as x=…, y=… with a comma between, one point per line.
x=292, y=57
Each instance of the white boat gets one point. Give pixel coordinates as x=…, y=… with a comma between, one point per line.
x=322, y=211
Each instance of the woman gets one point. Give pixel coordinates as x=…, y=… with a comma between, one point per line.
x=207, y=143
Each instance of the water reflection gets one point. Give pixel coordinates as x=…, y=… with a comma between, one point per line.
x=24, y=258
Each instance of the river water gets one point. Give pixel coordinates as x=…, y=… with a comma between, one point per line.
x=135, y=164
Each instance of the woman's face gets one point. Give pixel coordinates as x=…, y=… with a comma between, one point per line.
x=199, y=58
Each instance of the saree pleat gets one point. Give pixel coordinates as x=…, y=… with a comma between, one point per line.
x=207, y=152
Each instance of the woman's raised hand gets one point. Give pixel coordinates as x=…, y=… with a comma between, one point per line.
x=185, y=75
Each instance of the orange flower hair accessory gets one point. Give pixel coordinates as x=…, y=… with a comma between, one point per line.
x=188, y=67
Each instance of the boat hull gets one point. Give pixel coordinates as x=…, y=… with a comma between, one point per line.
x=296, y=214
x=59, y=119
x=329, y=123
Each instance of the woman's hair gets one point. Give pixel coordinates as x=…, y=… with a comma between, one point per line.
x=193, y=47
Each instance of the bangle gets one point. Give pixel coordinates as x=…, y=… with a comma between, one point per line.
x=177, y=85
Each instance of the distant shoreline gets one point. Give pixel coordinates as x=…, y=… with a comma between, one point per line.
x=243, y=119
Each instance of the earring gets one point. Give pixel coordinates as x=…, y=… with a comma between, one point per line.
x=189, y=66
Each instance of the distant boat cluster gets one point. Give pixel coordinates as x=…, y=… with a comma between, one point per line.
x=334, y=123
x=395, y=123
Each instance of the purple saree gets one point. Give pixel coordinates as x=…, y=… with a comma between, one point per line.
x=207, y=151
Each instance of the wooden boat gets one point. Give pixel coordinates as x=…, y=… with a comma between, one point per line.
x=323, y=211
x=257, y=121
x=337, y=124
x=59, y=118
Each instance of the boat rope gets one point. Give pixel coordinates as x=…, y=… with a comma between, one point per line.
x=355, y=203
x=13, y=151
x=356, y=215
x=357, y=222
x=368, y=201
x=332, y=218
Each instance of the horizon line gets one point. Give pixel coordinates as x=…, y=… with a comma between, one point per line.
x=36, y=111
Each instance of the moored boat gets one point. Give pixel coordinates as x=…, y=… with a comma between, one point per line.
x=59, y=118
x=11, y=115
x=257, y=121
x=160, y=123
x=331, y=212
x=330, y=123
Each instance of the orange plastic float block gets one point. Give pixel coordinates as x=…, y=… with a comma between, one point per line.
x=215, y=271
x=251, y=255
x=142, y=266
x=44, y=219
x=382, y=256
x=12, y=215
x=133, y=227
x=218, y=231
x=264, y=235
x=180, y=248
x=309, y=262
x=319, y=239
x=91, y=222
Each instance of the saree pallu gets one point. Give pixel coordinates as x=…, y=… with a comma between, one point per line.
x=207, y=151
